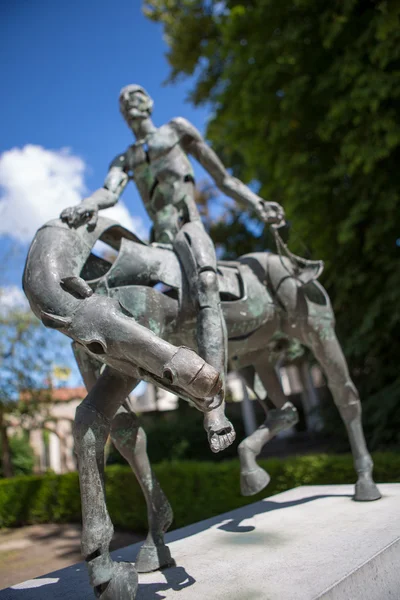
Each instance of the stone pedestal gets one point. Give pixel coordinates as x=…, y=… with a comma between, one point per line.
x=309, y=543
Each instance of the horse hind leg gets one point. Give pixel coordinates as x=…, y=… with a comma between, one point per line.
x=130, y=440
x=320, y=337
x=110, y=580
x=254, y=478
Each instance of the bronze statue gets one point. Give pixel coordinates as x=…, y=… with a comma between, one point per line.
x=158, y=163
x=117, y=317
x=174, y=337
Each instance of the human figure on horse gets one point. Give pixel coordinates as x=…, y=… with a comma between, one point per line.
x=159, y=165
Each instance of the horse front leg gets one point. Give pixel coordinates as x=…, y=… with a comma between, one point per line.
x=254, y=478
x=130, y=440
x=320, y=337
x=110, y=580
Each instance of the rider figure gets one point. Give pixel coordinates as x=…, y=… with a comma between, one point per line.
x=158, y=163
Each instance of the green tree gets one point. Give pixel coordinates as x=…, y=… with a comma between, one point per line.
x=27, y=354
x=305, y=97
x=22, y=456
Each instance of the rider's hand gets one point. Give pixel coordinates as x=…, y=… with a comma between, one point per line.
x=271, y=212
x=75, y=216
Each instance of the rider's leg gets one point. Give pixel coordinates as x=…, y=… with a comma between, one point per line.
x=197, y=254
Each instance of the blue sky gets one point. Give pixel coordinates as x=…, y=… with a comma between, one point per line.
x=66, y=62
x=63, y=66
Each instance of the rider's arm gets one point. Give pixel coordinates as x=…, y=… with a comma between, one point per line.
x=87, y=211
x=114, y=185
x=194, y=144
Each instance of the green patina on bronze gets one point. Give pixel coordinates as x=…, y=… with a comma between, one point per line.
x=141, y=315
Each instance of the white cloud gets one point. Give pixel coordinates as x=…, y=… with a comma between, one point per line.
x=12, y=298
x=37, y=184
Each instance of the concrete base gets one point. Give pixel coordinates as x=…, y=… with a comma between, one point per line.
x=305, y=544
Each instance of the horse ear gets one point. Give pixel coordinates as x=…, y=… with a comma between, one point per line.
x=76, y=286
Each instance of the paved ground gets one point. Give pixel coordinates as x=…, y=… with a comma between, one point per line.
x=308, y=542
x=28, y=552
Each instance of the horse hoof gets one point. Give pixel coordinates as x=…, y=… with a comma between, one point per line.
x=366, y=491
x=152, y=558
x=122, y=586
x=252, y=482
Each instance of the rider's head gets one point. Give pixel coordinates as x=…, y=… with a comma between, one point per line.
x=135, y=103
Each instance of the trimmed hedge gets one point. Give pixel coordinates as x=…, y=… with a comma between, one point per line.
x=196, y=490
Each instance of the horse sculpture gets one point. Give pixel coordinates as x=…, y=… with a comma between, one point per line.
x=118, y=315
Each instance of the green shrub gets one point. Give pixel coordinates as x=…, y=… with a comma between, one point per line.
x=22, y=456
x=179, y=435
x=196, y=490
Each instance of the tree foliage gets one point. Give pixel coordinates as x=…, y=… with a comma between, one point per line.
x=22, y=455
x=305, y=97
x=27, y=355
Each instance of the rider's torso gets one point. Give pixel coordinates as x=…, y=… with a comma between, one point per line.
x=164, y=177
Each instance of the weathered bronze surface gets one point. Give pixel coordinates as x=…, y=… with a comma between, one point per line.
x=117, y=317
x=168, y=313
x=158, y=163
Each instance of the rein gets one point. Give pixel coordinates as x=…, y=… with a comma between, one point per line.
x=314, y=268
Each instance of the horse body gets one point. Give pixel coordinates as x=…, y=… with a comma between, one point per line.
x=142, y=300
x=262, y=299
x=252, y=316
